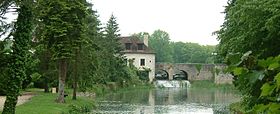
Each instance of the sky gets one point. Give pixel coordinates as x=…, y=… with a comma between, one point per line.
x=184, y=20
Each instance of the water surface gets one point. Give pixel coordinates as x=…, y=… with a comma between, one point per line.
x=168, y=101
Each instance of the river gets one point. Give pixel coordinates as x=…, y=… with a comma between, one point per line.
x=167, y=101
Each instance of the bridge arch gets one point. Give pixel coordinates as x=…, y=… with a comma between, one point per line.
x=182, y=75
x=186, y=74
x=161, y=74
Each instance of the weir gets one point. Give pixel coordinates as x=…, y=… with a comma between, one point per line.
x=172, y=83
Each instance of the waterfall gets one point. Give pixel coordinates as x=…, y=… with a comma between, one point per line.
x=172, y=83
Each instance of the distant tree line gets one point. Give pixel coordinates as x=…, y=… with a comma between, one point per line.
x=178, y=52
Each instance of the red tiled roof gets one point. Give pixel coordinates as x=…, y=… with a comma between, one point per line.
x=134, y=44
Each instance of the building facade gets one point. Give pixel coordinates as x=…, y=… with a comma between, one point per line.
x=140, y=54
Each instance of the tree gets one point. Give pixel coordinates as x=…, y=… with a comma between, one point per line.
x=114, y=58
x=159, y=41
x=250, y=26
x=141, y=35
x=112, y=35
x=178, y=52
x=249, y=41
x=5, y=57
x=90, y=74
x=19, y=56
x=63, y=26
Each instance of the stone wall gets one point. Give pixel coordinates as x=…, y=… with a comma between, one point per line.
x=207, y=72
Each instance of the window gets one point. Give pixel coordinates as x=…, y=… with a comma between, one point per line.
x=140, y=46
x=128, y=46
x=142, y=62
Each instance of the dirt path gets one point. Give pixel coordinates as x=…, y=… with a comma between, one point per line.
x=21, y=99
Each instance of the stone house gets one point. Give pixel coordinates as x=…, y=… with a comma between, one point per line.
x=140, y=54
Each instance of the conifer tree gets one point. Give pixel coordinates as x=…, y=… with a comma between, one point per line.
x=112, y=34
x=115, y=58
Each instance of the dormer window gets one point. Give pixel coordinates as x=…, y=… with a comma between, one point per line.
x=140, y=46
x=128, y=46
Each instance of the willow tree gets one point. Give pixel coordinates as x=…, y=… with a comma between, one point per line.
x=63, y=25
x=19, y=56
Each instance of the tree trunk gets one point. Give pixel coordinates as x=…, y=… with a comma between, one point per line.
x=62, y=77
x=46, y=70
x=46, y=85
x=75, y=75
x=10, y=104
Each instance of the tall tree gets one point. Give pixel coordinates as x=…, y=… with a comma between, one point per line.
x=114, y=58
x=250, y=25
x=112, y=35
x=180, y=54
x=63, y=26
x=90, y=52
x=159, y=41
x=20, y=55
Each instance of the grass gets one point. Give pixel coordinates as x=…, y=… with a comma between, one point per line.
x=208, y=84
x=44, y=103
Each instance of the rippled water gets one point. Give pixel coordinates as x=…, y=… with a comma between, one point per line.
x=167, y=101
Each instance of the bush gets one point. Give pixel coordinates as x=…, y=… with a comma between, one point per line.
x=258, y=80
x=74, y=109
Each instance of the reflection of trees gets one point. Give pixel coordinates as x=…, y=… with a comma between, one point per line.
x=157, y=100
x=171, y=96
x=132, y=96
x=174, y=96
x=211, y=96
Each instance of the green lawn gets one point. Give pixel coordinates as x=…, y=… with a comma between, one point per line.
x=44, y=103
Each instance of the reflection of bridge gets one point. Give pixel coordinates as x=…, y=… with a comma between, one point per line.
x=191, y=71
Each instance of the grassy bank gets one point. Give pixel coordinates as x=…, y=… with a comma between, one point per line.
x=44, y=103
x=208, y=84
x=237, y=108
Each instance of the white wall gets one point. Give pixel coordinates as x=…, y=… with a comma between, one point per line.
x=149, y=62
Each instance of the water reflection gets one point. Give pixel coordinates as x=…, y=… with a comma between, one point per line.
x=167, y=101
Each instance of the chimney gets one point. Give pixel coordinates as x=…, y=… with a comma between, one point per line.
x=146, y=40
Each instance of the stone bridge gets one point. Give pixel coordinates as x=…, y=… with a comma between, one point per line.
x=191, y=71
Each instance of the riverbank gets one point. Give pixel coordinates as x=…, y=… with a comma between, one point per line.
x=44, y=103
x=208, y=84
